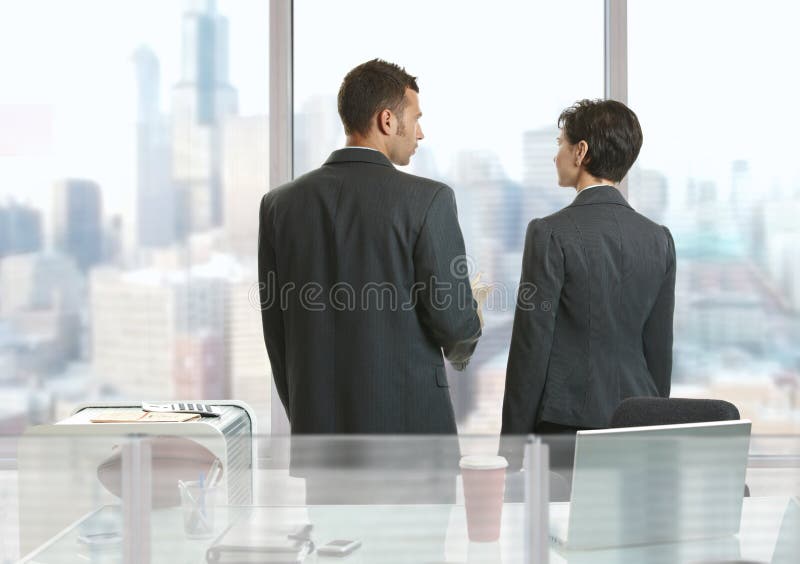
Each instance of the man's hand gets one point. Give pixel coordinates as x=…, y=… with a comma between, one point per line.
x=480, y=291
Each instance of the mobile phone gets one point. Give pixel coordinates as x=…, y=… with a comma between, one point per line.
x=339, y=547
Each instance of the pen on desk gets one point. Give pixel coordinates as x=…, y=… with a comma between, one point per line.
x=202, y=494
x=213, y=474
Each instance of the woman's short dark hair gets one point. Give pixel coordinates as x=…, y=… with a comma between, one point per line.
x=611, y=130
x=369, y=88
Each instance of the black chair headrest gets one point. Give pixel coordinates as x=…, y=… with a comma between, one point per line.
x=645, y=411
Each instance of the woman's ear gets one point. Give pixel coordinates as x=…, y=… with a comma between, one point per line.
x=581, y=152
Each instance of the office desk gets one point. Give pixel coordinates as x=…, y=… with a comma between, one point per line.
x=414, y=534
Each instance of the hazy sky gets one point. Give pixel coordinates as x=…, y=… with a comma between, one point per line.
x=72, y=60
x=487, y=71
x=712, y=81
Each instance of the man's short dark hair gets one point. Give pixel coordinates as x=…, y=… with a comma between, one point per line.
x=611, y=130
x=370, y=88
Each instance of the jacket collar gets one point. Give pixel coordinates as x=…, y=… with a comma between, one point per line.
x=358, y=155
x=600, y=195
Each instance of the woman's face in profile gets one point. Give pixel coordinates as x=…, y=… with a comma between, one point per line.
x=566, y=162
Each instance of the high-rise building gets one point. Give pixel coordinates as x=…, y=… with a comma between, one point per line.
x=201, y=100
x=112, y=240
x=153, y=330
x=727, y=319
x=791, y=273
x=538, y=149
x=155, y=194
x=648, y=193
x=20, y=229
x=77, y=221
x=781, y=237
x=41, y=297
x=541, y=193
x=489, y=205
x=318, y=131
x=133, y=335
x=245, y=179
x=199, y=370
x=747, y=201
x=39, y=281
x=246, y=356
x=742, y=194
x=424, y=163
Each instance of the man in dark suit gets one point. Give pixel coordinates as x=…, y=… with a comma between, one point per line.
x=362, y=275
x=593, y=323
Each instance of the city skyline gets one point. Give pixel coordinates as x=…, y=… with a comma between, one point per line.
x=182, y=289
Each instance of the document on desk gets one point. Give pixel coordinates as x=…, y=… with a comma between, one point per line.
x=263, y=537
x=140, y=416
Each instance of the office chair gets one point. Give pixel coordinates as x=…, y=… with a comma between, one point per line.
x=647, y=411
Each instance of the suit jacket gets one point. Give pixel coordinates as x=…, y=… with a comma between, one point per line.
x=363, y=285
x=593, y=323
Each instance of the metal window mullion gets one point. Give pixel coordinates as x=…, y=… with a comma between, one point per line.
x=615, y=57
x=281, y=135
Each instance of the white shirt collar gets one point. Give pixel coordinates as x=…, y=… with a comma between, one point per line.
x=359, y=147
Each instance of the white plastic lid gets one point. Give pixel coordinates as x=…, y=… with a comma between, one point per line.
x=483, y=462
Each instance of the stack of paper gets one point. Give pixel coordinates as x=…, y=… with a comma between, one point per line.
x=139, y=416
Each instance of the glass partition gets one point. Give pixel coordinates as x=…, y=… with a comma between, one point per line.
x=694, y=493
x=198, y=497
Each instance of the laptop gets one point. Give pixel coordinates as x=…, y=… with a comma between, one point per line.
x=645, y=485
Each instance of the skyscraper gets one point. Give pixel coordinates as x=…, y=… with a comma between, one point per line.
x=489, y=206
x=245, y=179
x=200, y=100
x=648, y=193
x=246, y=360
x=541, y=193
x=77, y=221
x=158, y=332
x=20, y=229
x=41, y=298
x=747, y=201
x=317, y=132
x=155, y=198
x=133, y=332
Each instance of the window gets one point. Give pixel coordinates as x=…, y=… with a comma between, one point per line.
x=716, y=102
x=133, y=152
x=493, y=79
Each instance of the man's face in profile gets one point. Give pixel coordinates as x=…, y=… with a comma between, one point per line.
x=409, y=131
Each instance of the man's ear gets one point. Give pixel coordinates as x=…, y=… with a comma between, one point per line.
x=385, y=121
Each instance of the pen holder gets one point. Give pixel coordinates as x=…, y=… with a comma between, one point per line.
x=198, y=504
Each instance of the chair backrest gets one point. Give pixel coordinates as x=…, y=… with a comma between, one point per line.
x=646, y=411
x=657, y=483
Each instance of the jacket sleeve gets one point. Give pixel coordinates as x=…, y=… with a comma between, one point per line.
x=445, y=304
x=534, y=323
x=269, y=296
x=657, y=334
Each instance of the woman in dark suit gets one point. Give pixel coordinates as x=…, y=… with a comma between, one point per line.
x=593, y=323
